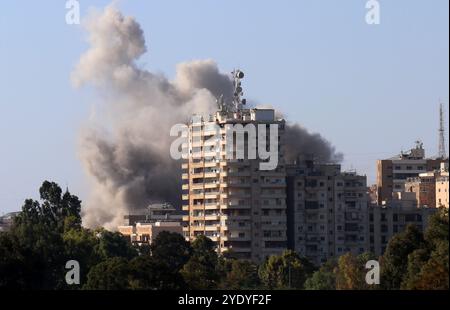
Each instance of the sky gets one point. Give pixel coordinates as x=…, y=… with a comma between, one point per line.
x=371, y=90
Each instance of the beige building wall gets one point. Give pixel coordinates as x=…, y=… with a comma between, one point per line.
x=145, y=233
x=232, y=201
x=424, y=189
x=442, y=191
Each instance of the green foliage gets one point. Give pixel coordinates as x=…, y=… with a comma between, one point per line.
x=350, y=272
x=111, y=274
x=285, y=271
x=428, y=266
x=171, y=248
x=394, y=262
x=202, y=271
x=79, y=245
x=53, y=211
x=48, y=233
x=324, y=278
x=240, y=274
x=35, y=242
x=113, y=244
x=437, y=230
x=148, y=272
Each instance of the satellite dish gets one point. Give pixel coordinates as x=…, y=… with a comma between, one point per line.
x=244, y=101
x=240, y=74
x=239, y=89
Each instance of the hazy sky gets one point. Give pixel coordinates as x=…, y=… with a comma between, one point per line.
x=372, y=90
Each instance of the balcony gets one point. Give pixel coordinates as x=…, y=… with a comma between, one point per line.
x=212, y=195
x=281, y=195
x=214, y=227
x=196, y=186
x=274, y=184
x=238, y=195
x=239, y=173
x=236, y=249
x=211, y=174
x=235, y=217
x=236, y=226
x=211, y=185
x=196, y=175
x=197, y=164
x=212, y=206
x=212, y=217
x=212, y=163
x=235, y=238
x=234, y=206
x=274, y=206
x=239, y=185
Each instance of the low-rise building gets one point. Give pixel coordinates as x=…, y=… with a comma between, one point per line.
x=145, y=233
x=154, y=212
x=392, y=173
x=393, y=217
x=424, y=188
x=7, y=220
x=442, y=191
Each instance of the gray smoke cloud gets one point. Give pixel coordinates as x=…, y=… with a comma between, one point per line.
x=125, y=145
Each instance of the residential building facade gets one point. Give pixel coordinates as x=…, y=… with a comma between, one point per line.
x=327, y=211
x=232, y=201
x=393, y=217
x=145, y=233
x=442, y=192
x=392, y=173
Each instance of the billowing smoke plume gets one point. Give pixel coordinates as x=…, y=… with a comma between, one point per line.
x=125, y=146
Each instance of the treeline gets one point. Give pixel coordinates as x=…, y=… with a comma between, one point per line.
x=47, y=234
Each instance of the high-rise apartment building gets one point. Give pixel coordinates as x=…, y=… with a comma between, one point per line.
x=238, y=205
x=327, y=211
x=393, y=172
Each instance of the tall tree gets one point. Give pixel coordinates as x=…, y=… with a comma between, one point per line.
x=202, y=269
x=428, y=266
x=324, y=278
x=113, y=244
x=240, y=274
x=287, y=270
x=111, y=274
x=146, y=272
x=351, y=273
x=172, y=249
x=37, y=237
x=394, y=262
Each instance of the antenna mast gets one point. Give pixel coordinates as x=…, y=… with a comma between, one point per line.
x=238, y=75
x=442, y=153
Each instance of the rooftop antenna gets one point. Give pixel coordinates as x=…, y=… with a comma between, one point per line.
x=442, y=153
x=238, y=75
x=419, y=144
